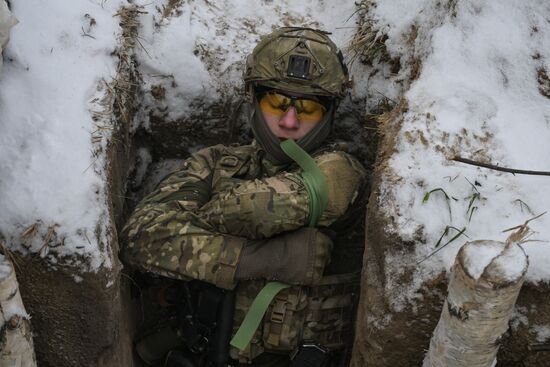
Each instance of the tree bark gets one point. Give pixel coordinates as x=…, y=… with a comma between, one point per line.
x=479, y=304
x=16, y=345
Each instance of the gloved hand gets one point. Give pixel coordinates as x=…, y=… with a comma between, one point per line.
x=297, y=257
x=343, y=177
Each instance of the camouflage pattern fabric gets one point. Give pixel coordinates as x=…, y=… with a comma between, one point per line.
x=322, y=313
x=195, y=224
x=246, y=292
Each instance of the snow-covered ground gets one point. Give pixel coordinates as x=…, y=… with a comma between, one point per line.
x=53, y=187
x=195, y=51
x=483, y=94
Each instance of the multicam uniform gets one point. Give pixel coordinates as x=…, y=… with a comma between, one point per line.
x=196, y=224
x=232, y=218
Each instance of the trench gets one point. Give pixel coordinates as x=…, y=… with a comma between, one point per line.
x=157, y=150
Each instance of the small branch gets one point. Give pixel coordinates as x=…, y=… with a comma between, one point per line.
x=86, y=34
x=498, y=168
x=524, y=224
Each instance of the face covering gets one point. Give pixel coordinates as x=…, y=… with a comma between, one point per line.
x=271, y=144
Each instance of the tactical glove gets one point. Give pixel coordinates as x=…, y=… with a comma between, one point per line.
x=297, y=257
x=344, y=178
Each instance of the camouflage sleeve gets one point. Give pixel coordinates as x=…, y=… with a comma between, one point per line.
x=189, y=186
x=165, y=236
x=262, y=208
x=185, y=230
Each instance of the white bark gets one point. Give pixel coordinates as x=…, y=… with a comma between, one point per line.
x=7, y=20
x=484, y=284
x=16, y=345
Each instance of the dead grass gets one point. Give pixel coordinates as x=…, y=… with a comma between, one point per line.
x=50, y=239
x=544, y=82
x=389, y=125
x=172, y=8
x=368, y=43
x=30, y=232
x=118, y=96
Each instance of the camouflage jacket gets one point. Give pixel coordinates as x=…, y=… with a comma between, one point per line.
x=195, y=224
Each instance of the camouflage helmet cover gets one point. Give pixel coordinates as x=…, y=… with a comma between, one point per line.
x=299, y=60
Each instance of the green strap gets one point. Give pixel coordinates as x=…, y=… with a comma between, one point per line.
x=313, y=180
x=254, y=316
x=316, y=187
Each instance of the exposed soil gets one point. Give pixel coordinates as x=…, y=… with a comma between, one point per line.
x=168, y=142
x=385, y=337
x=75, y=324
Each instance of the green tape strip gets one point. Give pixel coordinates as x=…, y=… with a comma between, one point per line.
x=254, y=316
x=313, y=180
x=316, y=186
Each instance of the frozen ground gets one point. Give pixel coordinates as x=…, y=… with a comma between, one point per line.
x=481, y=92
x=53, y=188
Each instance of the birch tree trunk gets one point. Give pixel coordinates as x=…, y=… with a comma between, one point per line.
x=485, y=282
x=7, y=20
x=16, y=346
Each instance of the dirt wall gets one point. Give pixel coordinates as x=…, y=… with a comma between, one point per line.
x=385, y=337
x=83, y=319
x=74, y=323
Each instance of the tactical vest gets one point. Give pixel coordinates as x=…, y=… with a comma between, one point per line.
x=323, y=313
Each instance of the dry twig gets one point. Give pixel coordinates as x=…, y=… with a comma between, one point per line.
x=499, y=168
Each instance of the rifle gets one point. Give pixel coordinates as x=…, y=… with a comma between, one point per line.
x=201, y=326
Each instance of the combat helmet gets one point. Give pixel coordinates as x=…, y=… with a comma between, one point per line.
x=297, y=60
x=301, y=60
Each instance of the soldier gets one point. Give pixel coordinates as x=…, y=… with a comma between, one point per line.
x=248, y=215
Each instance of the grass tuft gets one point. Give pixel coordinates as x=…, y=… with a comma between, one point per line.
x=368, y=43
x=447, y=199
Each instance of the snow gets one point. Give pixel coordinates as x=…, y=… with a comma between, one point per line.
x=53, y=186
x=542, y=332
x=198, y=57
x=512, y=263
x=507, y=264
x=48, y=174
x=480, y=95
x=478, y=256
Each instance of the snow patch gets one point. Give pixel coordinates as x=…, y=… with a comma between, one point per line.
x=52, y=187
x=542, y=331
x=480, y=94
x=478, y=255
x=512, y=263
x=5, y=268
x=519, y=317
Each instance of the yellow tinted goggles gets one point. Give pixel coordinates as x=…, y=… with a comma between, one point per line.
x=307, y=110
